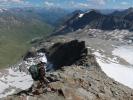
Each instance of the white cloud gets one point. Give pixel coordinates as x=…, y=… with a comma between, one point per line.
x=99, y=2
x=78, y=5
x=48, y=3
x=15, y=1
x=83, y=5
x=124, y=3
x=87, y=4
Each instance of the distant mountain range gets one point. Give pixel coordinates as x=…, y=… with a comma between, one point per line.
x=96, y=20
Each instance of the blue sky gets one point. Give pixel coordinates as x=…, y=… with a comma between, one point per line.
x=77, y=4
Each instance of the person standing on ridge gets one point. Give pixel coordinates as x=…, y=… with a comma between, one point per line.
x=38, y=73
x=42, y=71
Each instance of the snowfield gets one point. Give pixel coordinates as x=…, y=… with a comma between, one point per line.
x=125, y=52
x=115, y=70
x=12, y=80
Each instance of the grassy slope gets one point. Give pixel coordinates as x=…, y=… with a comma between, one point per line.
x=13, y=40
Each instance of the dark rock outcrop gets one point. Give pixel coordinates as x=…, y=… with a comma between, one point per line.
x=66, y=54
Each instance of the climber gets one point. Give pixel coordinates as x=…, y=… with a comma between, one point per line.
x=42, y=72
x=38, y=71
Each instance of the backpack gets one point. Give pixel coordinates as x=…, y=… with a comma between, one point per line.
x=34, y=71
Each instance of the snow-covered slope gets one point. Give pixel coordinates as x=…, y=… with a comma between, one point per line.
x=17, y=77
x=125, y=52
x=13, y=80
x=113, y=68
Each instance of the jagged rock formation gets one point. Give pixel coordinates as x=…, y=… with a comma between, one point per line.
x=84, y=81
x=66, y=54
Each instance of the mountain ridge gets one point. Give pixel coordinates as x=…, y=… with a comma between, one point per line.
x=96, y=20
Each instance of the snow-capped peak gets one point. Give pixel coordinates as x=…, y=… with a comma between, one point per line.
x=81, y=15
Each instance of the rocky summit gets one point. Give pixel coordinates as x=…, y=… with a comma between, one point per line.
x=76, y=75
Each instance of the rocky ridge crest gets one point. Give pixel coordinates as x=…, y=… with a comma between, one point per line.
x=81, y=80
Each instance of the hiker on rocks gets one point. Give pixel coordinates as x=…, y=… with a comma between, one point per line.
x=42, y=72
x=38, y=71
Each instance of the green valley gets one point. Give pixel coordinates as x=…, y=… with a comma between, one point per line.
x=16, y=30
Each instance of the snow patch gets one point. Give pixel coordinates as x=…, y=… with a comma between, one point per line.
x=7, y=93
x=14, y=80
x=120, y=73
x=17, y=77
x=81, y=15
x=125, y=52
